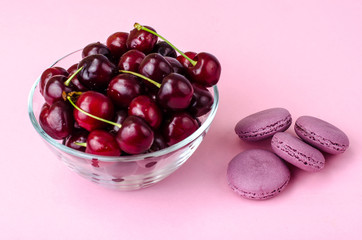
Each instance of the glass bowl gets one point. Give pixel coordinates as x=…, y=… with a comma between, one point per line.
x=125, y=172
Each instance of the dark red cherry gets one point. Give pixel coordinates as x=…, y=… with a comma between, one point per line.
x=117, y=44
x=131, y=60
x=176, y=65
x=96, y=48
x=175, y=92
x=79, y=136
x=135, y=135
x=206, y=71
x=102, y=143
x=48, y=73
x=159, y=142
x=57, y=120
x=75, y=83
x=178, y=127
x=201, y=102
x=144, y=107
x=186, y=63
x=123, y=88
x=164, y=49
x=54, y=88
x=141, y=40
x=96, y=104
x=155, y=67
x=97, y=72
x=119, y=117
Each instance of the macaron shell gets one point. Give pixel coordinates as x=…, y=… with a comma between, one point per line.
x=257, y=174
x=297, y=152
x=263, y=124
x=321, y=134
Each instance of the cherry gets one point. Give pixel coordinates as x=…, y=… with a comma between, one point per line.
x=102, y=143
x=95, y=104
x=54, y=88
x=48, y=73
x=155, y=66
x=75, y=138
x=116, y=43
x=205, y=67
x=135, y=136
x=75, y=84
x=119, y=117
x=96, y=48
x=97, y=71
x=145, y=108
x=131, y=60
x=178, y=127
x=141, y=40
x=164, y=49
x=201, y=102
x=206, y=71
x=175, y=92
x=176, y=65
x=123, y=88
x=159, y=143
x=56, y=120
x=186, y=63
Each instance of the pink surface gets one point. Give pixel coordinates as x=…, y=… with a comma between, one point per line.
x=305, y=56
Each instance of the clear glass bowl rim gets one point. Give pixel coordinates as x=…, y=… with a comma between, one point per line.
x=137, y=157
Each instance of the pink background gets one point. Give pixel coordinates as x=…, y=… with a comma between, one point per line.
x=305, y=56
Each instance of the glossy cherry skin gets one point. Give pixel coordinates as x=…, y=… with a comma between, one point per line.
x=97, y=72
x=48, y=73
x=206, y=71
x=186, y=63
x=102, y=143
x=57, y=120
x=119, y=117
x=176, y=65
x=178, y=127
x=96, y=48
x=175, y=92
x=201, y=102
x=164, y=49
x=144, y=107
x=155, y=67
x=141, y=40
x=96, y=104
x=131, y=60
x=135, y=135
x=79, y=136
x=54, y=88
x=123, y=88
x=159, y=142
x=117, y=44
x=75, y=84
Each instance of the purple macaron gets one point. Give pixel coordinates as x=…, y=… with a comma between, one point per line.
x=321, y=134
x=263, y=124
x=297, y=152
x=257, y=174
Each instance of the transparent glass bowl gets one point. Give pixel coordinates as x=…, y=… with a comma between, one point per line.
x=125, y=172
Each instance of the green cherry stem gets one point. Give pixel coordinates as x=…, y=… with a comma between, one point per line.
x=91, y=115
x=140, y=27
x=67, y=82
x=143, y=77
x=82, y=144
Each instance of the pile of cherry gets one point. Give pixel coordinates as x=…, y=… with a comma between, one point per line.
x=132, y=95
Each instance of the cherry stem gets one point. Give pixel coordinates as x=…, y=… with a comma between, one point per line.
x=67, y=82
x=140, y=27
x=91, y=115
x=144, y=77
x=82, y=144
